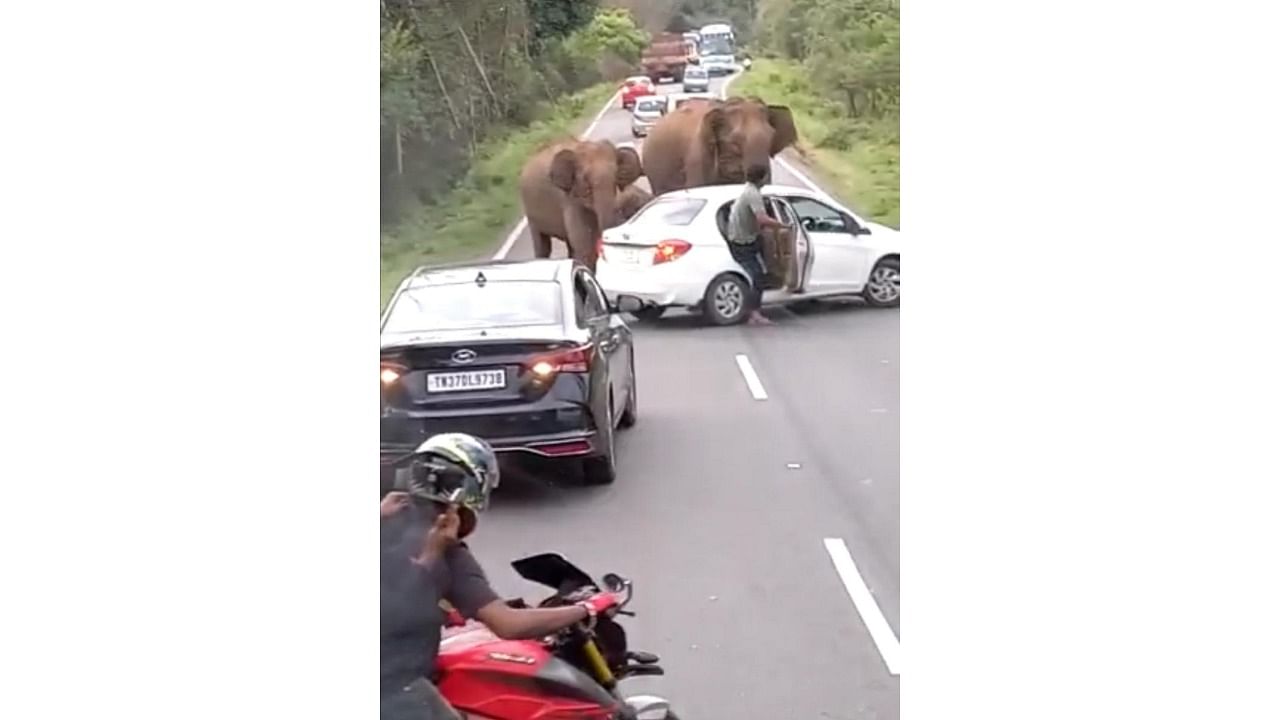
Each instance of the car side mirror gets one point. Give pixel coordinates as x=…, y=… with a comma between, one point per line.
x=854, y=228
x=627, y=304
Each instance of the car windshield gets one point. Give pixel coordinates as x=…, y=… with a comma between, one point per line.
x=695, y=73
x=670, y=211
x=465, y=306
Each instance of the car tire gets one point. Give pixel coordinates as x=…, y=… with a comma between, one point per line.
x=725, y=302
x=602, y=470
x=650, y=314
x=630, y=414
x=884, y=286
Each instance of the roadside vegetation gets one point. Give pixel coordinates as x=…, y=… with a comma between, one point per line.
x=470, y=219
x=835, y=63
x=468, y=89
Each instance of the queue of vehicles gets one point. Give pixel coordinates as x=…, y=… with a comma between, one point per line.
x=537, y=358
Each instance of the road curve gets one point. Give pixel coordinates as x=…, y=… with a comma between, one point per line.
x=724, y=504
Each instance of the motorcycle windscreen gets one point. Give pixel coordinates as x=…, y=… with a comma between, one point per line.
x=553, y=571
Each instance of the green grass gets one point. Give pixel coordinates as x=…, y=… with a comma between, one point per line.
x=468, y=221
x=856, y=160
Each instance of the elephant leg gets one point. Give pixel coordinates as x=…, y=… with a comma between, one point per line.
x=541, y=244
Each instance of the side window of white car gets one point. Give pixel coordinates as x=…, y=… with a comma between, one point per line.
x=817, y=217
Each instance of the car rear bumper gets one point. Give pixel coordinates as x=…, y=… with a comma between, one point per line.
x=551, y=429
x=664, y=285
x=579, y=443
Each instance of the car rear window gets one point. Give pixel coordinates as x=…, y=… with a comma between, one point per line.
x=670, y=211
x=465, y=306
x=650, y=105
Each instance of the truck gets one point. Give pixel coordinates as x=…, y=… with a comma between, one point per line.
x=667, y=56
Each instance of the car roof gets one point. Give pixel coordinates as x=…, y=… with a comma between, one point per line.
x=731, y=191
x=544, y=270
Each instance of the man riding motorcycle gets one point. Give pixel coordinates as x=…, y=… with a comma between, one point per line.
x=425, y=561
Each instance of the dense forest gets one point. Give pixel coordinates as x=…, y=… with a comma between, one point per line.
x=453, y=71
x=850, y=47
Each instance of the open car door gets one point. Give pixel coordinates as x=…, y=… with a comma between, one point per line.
x=796, y=253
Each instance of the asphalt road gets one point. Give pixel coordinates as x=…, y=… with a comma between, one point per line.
x=724, y=505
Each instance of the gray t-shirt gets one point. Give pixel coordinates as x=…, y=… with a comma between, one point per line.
x=411, y=613
x=743, y=227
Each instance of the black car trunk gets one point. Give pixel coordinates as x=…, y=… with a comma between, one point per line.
x=464, y=374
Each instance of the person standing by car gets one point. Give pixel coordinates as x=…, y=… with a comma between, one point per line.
x=747, y=217
x=424, y=561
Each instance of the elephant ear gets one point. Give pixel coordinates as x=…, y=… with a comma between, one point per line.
x=784, y=128
x=629, y=167
x=564, y=169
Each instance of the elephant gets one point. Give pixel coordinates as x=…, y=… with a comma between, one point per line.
x=570, y=190
x=713, y=142
x=630, y=201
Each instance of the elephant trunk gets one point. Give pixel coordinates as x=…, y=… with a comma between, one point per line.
x=606, y=211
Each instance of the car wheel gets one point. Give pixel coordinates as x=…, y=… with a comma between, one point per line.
x=725, y=302
x=601, y=470
x=629, y=414
x=650, y=314
x=884, y=287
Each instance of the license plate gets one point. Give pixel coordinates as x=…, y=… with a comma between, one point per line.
x=463, y=381
x=626, y=256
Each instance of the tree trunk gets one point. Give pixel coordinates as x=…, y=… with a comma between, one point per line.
x=453, y=113
x=479, y=66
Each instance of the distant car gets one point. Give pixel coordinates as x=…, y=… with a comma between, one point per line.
x=526, y=355
x=696, y=79
x=675, y=100
x=636, y=87
x=647, y=112
x=674, y=253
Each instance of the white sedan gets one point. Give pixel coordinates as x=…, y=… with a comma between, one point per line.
x=674, y=253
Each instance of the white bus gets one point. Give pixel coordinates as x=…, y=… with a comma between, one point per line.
x=717, y=48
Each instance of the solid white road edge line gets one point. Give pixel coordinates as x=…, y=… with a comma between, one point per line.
x=753, y=380
x=510, y=242
x=886, y=642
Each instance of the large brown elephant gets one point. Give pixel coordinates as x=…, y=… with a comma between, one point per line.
x=570, y=191
x=713, y=142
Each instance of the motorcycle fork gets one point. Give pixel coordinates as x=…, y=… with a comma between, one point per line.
x=595, y=658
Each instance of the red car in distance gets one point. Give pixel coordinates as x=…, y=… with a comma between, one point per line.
x=634, y=87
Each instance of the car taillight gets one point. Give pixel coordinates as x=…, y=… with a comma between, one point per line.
x=600, y=246
x=571, y=360
x=669, y=250
x=390, y=372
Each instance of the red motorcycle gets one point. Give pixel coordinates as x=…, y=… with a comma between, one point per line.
x=571, y=675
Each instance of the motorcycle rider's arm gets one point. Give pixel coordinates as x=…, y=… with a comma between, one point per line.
x=511, y=623
x=471, y=594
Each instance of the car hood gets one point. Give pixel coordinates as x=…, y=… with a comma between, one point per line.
x=433, y=337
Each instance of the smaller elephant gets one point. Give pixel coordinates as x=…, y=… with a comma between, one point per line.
x=571, y=190
x=630, y=201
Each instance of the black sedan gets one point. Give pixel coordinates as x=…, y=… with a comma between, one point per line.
x=527, y=355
